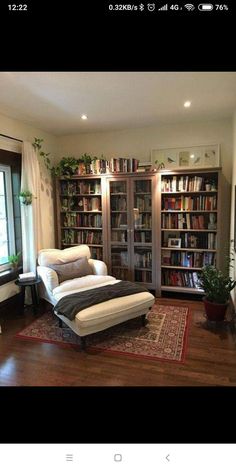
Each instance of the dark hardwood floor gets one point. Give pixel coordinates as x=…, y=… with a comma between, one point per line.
x=210, y=358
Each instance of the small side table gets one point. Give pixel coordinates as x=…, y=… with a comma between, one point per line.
x=33, y=287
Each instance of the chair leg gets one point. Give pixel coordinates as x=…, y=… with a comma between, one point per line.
x=143, y=320
x=60, y=323
x=83, y=343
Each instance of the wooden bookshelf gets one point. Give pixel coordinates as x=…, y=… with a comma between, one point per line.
x=189, y=227
x=80, y=219
x=131, y=209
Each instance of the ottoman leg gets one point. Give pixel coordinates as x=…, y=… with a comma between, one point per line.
x=83, y=343
x=143, y=320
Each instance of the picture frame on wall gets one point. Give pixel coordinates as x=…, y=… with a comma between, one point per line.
x=205, y=156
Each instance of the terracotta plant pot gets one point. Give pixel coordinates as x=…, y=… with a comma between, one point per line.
x=215, y=311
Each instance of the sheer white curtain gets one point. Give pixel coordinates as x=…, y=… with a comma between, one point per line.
x=31, y=221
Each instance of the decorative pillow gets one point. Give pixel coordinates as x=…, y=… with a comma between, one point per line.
x=72, y=270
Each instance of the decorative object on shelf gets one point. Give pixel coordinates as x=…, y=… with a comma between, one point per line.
x=25, y=197
x=217, y=287
x=14, y=259
x=174, y=242
x=212, y=221
x=144, y=166
x=159, y=165
x=186, y=158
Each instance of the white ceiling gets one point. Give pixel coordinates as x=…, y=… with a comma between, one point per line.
x=54, y=101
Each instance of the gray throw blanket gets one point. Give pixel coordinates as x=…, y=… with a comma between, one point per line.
x=70, y=305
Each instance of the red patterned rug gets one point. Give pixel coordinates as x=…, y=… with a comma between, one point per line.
x=163, y=338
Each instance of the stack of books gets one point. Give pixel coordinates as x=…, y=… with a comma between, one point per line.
x=27, y=276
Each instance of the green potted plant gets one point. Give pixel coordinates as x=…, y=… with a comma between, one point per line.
x=14, y=259
x=217, y=287
x=25, y=197
x=67, y=166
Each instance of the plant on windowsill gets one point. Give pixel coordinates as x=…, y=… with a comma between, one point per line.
x=217, y=287
x=25, y=197
x=14, y=260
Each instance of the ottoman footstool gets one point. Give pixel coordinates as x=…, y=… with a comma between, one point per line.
x=109, y=313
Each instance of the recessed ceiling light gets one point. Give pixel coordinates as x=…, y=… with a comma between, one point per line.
x=187, y=104
x=192, y=156
x=84, y=117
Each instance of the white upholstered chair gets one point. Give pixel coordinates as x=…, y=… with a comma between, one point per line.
x=95, y=318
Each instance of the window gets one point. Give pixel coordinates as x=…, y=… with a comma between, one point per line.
x=7, y=233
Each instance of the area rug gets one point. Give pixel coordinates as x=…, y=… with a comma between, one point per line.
x=163, y=338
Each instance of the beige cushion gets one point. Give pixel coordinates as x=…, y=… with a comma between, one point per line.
x=75, y=285
x=72, y=270
x=62, y=256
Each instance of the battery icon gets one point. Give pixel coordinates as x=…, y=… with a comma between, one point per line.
x=205, y=7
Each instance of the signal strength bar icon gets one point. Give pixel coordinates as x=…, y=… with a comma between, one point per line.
x=165, y=7
x=189, y=6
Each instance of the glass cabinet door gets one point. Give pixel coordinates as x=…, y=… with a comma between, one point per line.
x=142, y=231
x=119, y=224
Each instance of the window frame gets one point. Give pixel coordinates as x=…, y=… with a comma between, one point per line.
x=9, y=213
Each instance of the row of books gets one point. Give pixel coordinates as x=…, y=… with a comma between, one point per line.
x=144, y=276
x=143, y=186
x=71, y=188
x=184, y=183
x=179, y=278
x=82, y=220
x=119, y=236
x=191, y=240
x=143, y=203
x=119, y=220
x=187, y=221
x=118, y=202
x=123, y=165
x=143, y=260
x=187, y=259
x=82, y=237
x=119, y=258
x=142, y=236
x=119, y=273
x=96, y=252
x=89, y=237
x=81, y=204
x=202, y=202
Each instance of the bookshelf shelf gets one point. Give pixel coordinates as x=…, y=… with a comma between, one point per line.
x=188, y=249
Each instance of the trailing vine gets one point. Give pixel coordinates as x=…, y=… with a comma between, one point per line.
x=67, y=165
x=37, y=144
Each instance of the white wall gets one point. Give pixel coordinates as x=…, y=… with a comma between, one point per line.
x=18, y=129
x=138, y=143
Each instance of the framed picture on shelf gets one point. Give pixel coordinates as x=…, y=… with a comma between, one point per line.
x=174, y=242
x=186, y=158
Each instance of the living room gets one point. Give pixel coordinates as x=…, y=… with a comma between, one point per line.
x=170, y=123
